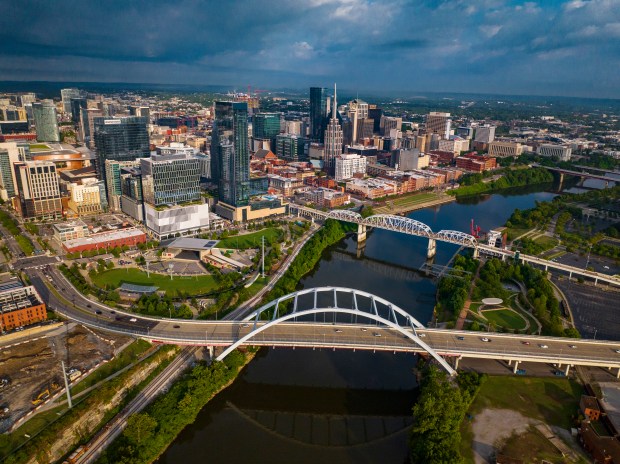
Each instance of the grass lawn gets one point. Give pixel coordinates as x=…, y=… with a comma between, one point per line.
x=25, y=244
x=547, y=242
x=514, y=232
x=405, y=201
x=253, y=240
x=505, y=318
x=192, y=285
x=551, y=400
x=130, y=354
x=39, y=146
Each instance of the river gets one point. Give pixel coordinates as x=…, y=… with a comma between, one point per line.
x=306, y=406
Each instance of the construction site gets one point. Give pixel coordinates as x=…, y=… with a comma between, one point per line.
x=31, y=376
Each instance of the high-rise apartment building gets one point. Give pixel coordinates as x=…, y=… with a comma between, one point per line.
x=120, y=139
x=346, y=166
x=170, y=179
x=9, y=154
x=46, y=121
x=38, y=190
x=230, y=162
x=333, y=138
x=114, y=184
x=438, y=123
x=318, y=113
x=87, y=125
x=77, y=105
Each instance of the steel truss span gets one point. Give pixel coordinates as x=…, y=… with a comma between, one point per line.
x=457, y=237
x=377, y=309
x=399, y=224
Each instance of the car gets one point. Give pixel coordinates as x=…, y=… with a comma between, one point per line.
x=133, y=319
x=98, y=311
x=421, y=335
x=572, y=346
x=485, y=339
x=338, y=331
x=605, y=267
x=460, y=338
x=176, y=326
x=88, y=305
x=525, y=343
x=118, y=318
x=364, y=329
x=376, y=334
x=112, y=312
x=245, y=325
x=617, y=351
x=541, y=345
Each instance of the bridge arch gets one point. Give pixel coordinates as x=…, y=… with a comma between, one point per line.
x=399, y=224
x=392, y=320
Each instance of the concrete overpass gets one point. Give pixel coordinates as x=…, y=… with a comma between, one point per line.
x=582, y=174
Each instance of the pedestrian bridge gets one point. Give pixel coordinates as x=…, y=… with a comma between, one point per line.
x=410, y=226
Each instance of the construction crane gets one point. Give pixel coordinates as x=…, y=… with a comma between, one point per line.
x=474, y=230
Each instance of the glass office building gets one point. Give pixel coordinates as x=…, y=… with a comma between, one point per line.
x=45, y=121
x=120, y=139
x=318, y=113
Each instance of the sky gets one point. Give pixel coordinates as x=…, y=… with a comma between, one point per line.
x=546, y=47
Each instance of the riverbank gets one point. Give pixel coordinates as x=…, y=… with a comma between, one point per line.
x=409, y=203
x=474, y=184
x=149, y=433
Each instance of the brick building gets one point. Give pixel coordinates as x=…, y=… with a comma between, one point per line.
x=110, y=239
x=20, y=306
x=476, y=163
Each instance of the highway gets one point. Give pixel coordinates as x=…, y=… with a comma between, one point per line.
x=453, y=344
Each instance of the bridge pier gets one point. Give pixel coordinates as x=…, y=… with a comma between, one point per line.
x=361, y=233
x=567, y=370
x=595, y=281
x=618, y=374
x=361, y=246
x=514, y=371
x=432, y=248
x=211, y=352
x=456, y=362
x=477, y=253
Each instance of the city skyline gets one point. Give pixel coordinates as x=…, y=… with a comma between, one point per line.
x=486, y=46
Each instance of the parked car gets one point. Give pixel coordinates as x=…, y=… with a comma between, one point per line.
x=485, y=339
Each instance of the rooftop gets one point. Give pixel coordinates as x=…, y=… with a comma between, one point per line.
x=104, y=237
x=194, y=244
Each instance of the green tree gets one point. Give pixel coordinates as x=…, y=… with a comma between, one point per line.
x=140, y=428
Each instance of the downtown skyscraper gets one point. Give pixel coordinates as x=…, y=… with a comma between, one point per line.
x=333, y=139
x=230, y=157
x=318, y=113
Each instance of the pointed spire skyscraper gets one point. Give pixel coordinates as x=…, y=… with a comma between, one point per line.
x=333, y=139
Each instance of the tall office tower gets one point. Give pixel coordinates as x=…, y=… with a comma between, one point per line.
x=87, y=125
x=230, y=157
x=144, y=112
x=45, y=121
x=170, y=179
x=67, y=95
x=265, y=125
x=375, y=114
x=77, y=104
x=26, y=98
x=438, y=123
x=7, y=174
x=292, y=147
x=358, y=112
x=333, y=138
x=38, y=190
x=113, y=181
x=120, y=139
x=318, y=113
x=388, y=123
x=485, y=134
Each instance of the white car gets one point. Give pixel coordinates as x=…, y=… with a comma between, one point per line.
x=485, y=339
x=377, y=334
x=133, y=319
x=617, y=351
x=543, y=346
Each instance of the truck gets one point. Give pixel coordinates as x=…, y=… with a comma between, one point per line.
x=521, y=372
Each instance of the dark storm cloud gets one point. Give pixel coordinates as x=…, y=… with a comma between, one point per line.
x=478, y=45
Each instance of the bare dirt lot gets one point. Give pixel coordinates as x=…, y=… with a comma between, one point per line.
x=33, y=369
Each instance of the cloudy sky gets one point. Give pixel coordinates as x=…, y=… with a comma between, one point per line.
x=546, y=47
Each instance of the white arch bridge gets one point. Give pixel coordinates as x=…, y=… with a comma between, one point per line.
x=344, y=318
x=400, y=224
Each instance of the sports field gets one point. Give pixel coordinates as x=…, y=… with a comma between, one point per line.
x=505, y=318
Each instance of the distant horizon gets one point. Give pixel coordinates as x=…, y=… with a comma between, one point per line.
x=218, y=88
